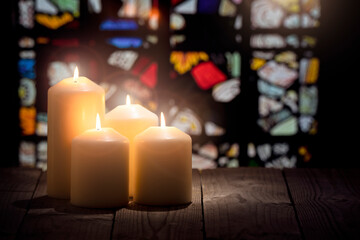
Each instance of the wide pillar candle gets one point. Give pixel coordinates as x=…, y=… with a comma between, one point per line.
x=163, y=175
x=129, y=120
x=72, y=107
x=100, y=169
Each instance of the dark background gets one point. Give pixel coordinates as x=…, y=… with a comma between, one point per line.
x=339, y=92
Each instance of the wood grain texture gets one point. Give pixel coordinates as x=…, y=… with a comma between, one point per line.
x=50, y=218
x=18, y=179
x=12, y=215
x=147, y=222
x=16, y=185
x=244, y=203
x=247, y=203
x=327, y=202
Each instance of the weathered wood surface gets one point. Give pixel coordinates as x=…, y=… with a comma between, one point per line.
x=16, y=184
x=50, y=218
x=327, y=202
x=11, y=215
x=247, y=203
x=243, y=203
x=18, y=179
x=147, y=222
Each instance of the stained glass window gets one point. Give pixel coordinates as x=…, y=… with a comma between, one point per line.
x=241, y=77
x=286, y=70
x=112, y=42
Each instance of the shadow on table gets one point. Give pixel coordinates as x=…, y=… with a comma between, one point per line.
x=61, y=205
x=147, y=208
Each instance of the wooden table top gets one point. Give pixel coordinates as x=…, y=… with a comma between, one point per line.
x=241, y=203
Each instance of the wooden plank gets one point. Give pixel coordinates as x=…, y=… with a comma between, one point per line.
x=50, y=218
x=13, y=207
x=146, y=222
x=327, y=202
x=16, y=189
x=247, y=203
x=19, y=179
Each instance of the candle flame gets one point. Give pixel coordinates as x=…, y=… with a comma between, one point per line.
x=128, y=102
x=162, y=120
x=98, y=124
x=76, y=74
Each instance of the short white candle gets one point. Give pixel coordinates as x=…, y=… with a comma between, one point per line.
x=100, y=169
x=163, y=174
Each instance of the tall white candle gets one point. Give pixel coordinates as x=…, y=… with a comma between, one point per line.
x=129, y=120
x=163, y=174
x=72, y=107
x=100, y=168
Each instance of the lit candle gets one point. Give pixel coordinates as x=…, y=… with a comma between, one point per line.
x=100, y=168
x=163, y=160
x=72, y=107
x=129, y=120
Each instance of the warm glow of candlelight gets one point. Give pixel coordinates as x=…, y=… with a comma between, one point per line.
x=128, y=102
x=154, y=14
x=98, y=123
x=76, y=74
x=162, y=120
